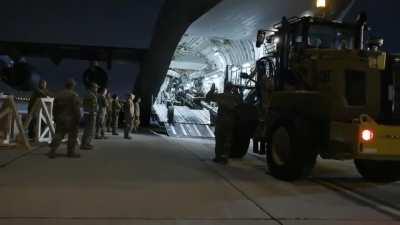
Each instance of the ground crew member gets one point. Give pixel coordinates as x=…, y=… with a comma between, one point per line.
x=136, y=123
x=116, y=109
x=5, y=121
x=40, y=92
x=67, y=115
x=266, y=87
x=101, y=114
x=109, y=115
x=129, y=114
x=90, y=114
x=227, y=102
x=170, y=112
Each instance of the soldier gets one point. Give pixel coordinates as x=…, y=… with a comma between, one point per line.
x=101, y=114
x=136, y=123
x=109, y=116
x=116, y=109
x=67, y=115
x=129, y=114
x=90, y=114
x=224, y=129
x=40, y=92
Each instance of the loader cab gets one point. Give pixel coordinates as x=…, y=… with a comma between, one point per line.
x=294, y=40
x=332, y=36
x=317, y=33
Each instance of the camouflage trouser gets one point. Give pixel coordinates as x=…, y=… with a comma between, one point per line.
x=100, y=124
x=223, y=140
x=32, y=127
x=64, y=128
x=128, y=126
x=115, y=118
x=88, y=133
x=136, y=124
x=109, y=121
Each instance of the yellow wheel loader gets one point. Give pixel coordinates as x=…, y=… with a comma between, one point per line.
x=324, y=89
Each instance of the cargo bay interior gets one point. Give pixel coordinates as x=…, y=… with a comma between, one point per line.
x=170, y=53
x=215, y=49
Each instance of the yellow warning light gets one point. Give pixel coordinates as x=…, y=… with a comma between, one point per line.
x=321, y=3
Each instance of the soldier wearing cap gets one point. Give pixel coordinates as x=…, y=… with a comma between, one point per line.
x=129, y=115
x=227, y=103
x=109, y=117
x=90, y=114
x=67, y=115
x=136, y=123
x=116, y=109
x=40, y=92
x=101, y=114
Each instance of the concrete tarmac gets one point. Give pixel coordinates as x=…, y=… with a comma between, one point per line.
x=159, y=180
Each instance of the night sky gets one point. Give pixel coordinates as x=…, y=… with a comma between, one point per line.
x=383, y=18
x=125, y=23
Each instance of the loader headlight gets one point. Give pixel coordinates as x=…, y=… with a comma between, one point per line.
x=321, y=3
x=367, y=135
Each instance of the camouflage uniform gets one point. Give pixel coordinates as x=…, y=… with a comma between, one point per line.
x=225, y=123
x=129, y=114
x=67, y=115
x=5, y=122
x=90, y=114
x=116, y=108
x=109, y=116
x=136, y=123
x=101, y=116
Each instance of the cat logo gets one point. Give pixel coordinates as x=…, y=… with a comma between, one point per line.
x=392, y=137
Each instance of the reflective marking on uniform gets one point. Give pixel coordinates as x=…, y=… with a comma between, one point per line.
x=210, y=131
x=173, y=130
x=183, y=130
x=197, y=130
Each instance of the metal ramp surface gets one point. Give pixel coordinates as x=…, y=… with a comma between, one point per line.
x=189, y=130
x=187, y=122
x=183, y=114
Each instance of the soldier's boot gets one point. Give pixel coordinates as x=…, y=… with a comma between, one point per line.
x=97, y=133
x=127, y=133
x=98, y=137
x=53, y=148
x=103, y=134
x=85, y=145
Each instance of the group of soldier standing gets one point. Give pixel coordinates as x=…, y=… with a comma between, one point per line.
x=100, y=112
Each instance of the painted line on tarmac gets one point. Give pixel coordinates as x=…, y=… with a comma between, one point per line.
x=22, y=155
x=212, y=168
x=186, y=219
x=353, y=195
x=361, y=198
